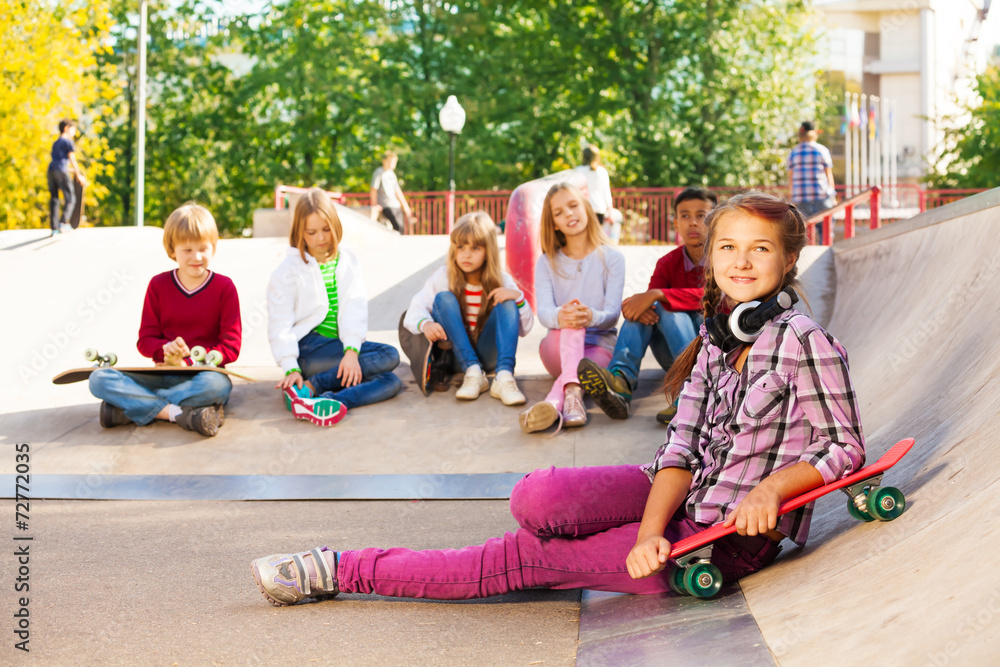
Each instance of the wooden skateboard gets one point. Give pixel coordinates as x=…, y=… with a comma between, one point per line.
x=424, y=358
x=77, y=216
x=203, y=361
x=694, y=574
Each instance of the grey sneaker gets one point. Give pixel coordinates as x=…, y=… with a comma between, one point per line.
x=574, y=414
x=112, y=415
x=202, y=420
x=284, y=578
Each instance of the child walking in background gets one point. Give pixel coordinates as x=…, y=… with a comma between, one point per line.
x=318, y=319
x=188, y=306
x=665, y=318
x=578, y=291
x=476, y=307
x=756, y=425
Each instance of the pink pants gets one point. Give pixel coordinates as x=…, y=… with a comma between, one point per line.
x=561, y=351
x=577, y=527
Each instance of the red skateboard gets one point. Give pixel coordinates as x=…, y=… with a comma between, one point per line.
x=695, y=574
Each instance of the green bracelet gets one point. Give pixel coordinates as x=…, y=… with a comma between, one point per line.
x=293, y=370
x=352, y=349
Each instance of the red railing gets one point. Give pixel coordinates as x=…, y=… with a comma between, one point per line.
x=648, y=212
x=871, y=197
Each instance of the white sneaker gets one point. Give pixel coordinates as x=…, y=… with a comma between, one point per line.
x=507, y=392
x=473, y=385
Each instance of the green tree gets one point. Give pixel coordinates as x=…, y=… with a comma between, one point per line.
x=970, y=157
x=47, y=61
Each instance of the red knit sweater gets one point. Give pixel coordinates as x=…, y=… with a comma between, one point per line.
x=209, y=316
x=682, y=289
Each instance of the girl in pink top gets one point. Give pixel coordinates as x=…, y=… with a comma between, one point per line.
x=756, y=425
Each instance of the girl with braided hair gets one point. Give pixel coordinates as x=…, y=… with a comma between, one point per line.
x=756, y=424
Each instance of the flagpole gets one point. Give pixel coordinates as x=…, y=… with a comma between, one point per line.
x=140, y=134
x=848, y=175
x=856, y=163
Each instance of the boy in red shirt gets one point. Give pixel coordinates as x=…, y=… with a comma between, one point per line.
x=188, y=306
x=666, y=317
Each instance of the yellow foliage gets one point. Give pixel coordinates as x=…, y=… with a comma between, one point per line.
x=46, y=74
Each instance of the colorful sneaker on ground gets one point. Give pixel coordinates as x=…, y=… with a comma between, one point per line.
x=609, y=390
x=319, y=411
x=296, y=392
x=285, y=579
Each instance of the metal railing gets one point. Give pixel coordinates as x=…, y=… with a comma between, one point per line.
x=648, y=212
x=870, y=197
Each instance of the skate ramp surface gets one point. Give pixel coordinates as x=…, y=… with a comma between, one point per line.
x=916, y=307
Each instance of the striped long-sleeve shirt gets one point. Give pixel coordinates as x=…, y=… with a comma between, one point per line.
x=793, y=402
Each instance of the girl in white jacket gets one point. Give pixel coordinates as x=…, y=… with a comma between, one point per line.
x=477, y=307
x=318, y=319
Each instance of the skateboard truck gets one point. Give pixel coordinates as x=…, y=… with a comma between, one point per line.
x=201, y=357
x=103, y=360
x=868, y=500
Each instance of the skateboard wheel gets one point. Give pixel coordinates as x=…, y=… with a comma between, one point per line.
x=213, y=358
x=112, y=358
x=859, y=514
x=90, y=354
x=198, y=353
x=703, y=580
x=676, y=580
x=886, y=503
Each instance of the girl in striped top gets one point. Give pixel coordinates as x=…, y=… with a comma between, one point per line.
x=475, y=307
x=318, y=319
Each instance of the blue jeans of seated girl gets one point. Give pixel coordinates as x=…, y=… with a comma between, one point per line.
x=496, y=346
x=320, y=357
x=673, y=332
x=141, y=396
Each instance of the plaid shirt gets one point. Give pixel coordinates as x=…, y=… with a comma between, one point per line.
x=808, y=162
x=793, y=402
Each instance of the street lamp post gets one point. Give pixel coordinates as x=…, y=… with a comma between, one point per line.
x=452, y=119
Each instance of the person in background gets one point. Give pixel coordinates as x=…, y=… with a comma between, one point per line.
x=599, y=190
x=60, y=178
x=386, y=194
x=810, y=174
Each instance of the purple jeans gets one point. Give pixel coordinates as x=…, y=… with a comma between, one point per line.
x=577, y=527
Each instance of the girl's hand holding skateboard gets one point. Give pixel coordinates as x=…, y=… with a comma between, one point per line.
x=649, y=555
x=757, y=513
x=434, y=332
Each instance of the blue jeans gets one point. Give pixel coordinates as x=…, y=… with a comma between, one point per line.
x=320, y=357
x=497, y=343
x=811, y=208
x=142, y=395
x=668, y=337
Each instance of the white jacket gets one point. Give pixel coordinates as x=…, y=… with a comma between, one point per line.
x=297, y=303
x=423, y=301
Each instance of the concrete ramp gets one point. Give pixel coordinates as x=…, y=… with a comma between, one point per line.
x=917, y=308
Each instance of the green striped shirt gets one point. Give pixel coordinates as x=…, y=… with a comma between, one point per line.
x=328, y=327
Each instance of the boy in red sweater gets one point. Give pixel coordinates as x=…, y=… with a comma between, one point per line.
x=188, y=306
x=666, y=317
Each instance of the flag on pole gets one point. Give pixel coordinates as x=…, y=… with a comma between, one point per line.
x=855, y=116
x=871, y=122
x=847, y=114
x=863, y=115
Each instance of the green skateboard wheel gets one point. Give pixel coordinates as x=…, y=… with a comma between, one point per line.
x=886, y=503
x=703, y=580
x=676, y=580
